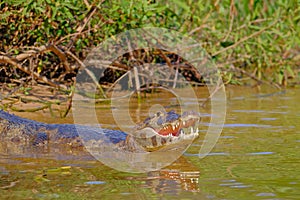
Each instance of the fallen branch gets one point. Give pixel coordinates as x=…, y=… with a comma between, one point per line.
x=11, y=61
x=61, y=56
x=12, y=184
x=39, y=50
x=90, y=73
x=29, y=109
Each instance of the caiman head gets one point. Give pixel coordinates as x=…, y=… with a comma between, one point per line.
x=163, y=129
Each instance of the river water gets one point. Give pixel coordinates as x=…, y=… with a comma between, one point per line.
x=256, y=157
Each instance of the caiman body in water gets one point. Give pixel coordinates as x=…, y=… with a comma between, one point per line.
x=157, y=131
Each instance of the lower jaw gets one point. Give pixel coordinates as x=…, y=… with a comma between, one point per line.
x=189, y=131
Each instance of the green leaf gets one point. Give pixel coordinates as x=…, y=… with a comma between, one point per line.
x=226, y=43
x=54, y=12
x=70, y=6
x=182, y=4
x=42, y=10
x=290, y=71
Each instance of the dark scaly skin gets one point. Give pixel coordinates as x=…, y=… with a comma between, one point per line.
x=155, y=132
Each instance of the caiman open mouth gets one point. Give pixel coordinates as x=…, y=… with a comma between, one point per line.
x=168, y=124
x=166, y=128
x=179, y=127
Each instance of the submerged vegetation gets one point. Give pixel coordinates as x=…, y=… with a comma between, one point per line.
x=45, y=41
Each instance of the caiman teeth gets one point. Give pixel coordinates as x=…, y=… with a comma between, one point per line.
x=181, y=132
x=173, y=127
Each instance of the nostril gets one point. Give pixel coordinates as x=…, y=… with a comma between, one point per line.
x=160, y=121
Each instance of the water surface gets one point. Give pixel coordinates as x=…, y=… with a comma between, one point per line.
x=256, y=157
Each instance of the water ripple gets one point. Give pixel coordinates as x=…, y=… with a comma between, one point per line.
x=94, y=182
x=238, y=125
x=260, y=111
x=261, y=153
x=266, y=194
x=209, y=154
x=268, y=118
x=231, y=154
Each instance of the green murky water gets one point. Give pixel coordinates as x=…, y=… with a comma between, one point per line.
x=256, y=157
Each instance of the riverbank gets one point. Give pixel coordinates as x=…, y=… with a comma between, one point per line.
x=48, y=42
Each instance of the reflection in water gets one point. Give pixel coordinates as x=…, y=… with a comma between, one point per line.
x=181, y=175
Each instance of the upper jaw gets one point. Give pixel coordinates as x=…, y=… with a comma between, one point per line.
x=172, y=124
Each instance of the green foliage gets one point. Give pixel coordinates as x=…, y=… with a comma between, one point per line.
x=258, y=34
x=217, y=24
